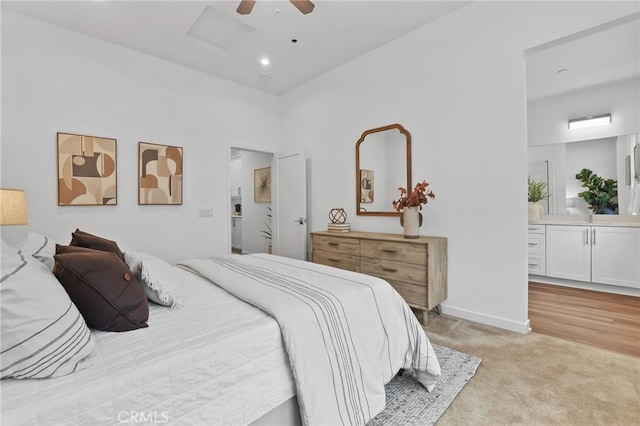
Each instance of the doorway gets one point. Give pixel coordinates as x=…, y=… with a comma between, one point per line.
x=250, y=212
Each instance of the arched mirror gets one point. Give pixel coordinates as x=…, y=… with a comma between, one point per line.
x=383, y=164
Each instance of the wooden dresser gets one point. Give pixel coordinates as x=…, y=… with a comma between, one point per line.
x=416, y=268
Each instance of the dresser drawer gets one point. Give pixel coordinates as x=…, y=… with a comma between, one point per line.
x=392, y=270
x=390, y=250
x=336, y=244
x=338, y=260
x=414, y=294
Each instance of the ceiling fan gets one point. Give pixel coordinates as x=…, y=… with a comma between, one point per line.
x=304, y=6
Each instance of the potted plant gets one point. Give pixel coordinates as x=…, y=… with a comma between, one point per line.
x=536, y=193
x=601, y=194
x=266, y=233
x=409, y=204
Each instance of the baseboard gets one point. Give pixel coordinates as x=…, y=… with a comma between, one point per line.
x=518, y=327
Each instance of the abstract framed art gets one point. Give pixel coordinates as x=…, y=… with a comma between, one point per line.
x=159, y=174
x=87, y=172
x=262, y=185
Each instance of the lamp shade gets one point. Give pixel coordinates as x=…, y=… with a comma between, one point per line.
x=13, y=207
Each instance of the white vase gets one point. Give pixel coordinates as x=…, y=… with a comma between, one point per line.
x=411, y=221
x=535, y=212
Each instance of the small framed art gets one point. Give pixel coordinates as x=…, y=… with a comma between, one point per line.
x=366, y=186
x=87, y=172
x=159, y=174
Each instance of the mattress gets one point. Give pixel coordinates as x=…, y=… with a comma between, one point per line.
x=217, y=360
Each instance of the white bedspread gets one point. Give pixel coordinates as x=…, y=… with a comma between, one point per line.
x=347, y=334
x=216, y=361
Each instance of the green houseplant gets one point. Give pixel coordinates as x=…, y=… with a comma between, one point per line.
x=535, y=193
x=266, y=233
x=601, y=194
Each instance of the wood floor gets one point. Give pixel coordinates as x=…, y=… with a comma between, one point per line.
x=606, y=320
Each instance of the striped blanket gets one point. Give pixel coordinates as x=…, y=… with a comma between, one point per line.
x=347, y=334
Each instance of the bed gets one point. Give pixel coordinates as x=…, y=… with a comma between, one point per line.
x=216, y=359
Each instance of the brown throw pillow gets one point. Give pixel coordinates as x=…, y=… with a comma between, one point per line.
x=106, y=292
x=84, y=239
x=60, y=249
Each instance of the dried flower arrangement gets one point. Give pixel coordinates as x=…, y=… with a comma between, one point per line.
x=416, y=198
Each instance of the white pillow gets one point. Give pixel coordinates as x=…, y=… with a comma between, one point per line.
x=38, y=246
x=158, y=278
x=43, y=333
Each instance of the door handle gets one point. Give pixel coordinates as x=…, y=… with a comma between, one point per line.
x=301, y=220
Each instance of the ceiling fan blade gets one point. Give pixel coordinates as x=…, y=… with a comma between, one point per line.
x=245, y=7
x=304, y=6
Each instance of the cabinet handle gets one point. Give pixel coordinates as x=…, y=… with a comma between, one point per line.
x=532, y=265
x=390, y=250
x=586, y=237
x=334, y=260
x=532, y=244
x=389, y=269
x=593, y=236
x=532, y=229
x=334, y=244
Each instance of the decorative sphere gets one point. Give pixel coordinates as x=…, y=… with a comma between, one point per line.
x=338, y=216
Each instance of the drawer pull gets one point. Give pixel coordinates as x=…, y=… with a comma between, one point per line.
x=389, y=269
x=333, y=244
x=390, y=250
x=334, y=260
x=533, y=244
x=532, y=265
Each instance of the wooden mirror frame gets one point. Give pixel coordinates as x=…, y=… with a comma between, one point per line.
x=407, y=135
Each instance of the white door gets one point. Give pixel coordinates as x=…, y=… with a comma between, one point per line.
x=569, y=252
x=289, y=205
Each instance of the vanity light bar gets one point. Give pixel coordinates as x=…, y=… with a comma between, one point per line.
x=596, y=120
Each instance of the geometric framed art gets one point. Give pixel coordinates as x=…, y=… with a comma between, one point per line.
x=262, y=185
x=86, y=170
x=159, y=174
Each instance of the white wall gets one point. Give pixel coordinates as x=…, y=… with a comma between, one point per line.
x=458, y=85
x=56, y=80
x=254, y=214
x=548, y=118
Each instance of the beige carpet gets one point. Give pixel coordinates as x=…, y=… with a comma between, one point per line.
x=535, y=379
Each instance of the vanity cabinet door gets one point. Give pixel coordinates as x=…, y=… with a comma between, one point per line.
x=569, y=252
x=615, y=256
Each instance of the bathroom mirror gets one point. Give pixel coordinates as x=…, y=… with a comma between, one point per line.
x=383, y=164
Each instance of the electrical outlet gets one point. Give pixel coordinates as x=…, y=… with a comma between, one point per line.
x=205, y=212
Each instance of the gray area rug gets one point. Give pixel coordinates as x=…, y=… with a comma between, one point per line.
x=409, y=403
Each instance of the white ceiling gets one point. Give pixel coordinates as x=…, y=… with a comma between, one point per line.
x=334, y=33
x=598, y=56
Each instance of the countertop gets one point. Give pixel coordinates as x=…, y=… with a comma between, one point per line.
x=590, y=220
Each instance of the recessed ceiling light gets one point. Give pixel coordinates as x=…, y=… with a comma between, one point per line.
x=264, y=61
